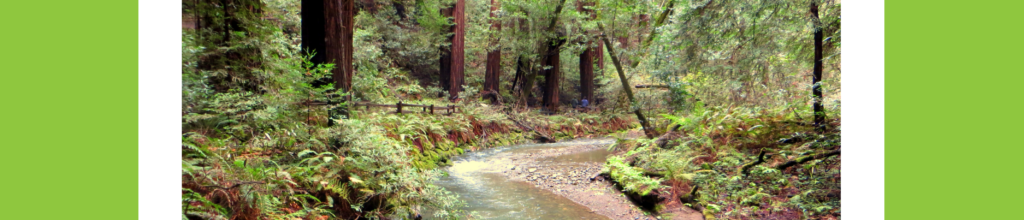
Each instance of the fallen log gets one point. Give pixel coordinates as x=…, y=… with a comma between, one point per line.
x=540, y=136
x=746, y=168
x=807, y=158
x=641, y=86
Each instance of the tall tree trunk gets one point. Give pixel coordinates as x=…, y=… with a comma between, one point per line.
x=550, y=53
x=338, y=16
x=551, y=49
x=819, y=109
x=587, y=74
x=543, y=48
x=458, y=46
x=552, y=77
x=648, y=130
x=455, y=51
x=338, y=27
x=348, y=12
x=587, y=58
x=492, y=76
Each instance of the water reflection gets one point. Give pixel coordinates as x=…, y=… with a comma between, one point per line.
x=488, y=194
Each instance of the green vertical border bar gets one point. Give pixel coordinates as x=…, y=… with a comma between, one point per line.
x=69, y=109
x=953, y=79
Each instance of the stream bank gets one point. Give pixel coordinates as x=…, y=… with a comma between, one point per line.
x=544, y=181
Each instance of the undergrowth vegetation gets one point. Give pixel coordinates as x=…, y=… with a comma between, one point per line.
x=745, y=163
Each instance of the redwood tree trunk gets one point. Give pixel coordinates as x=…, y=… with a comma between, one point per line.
x=587, y=60
x=348, y=12
x=338, y=26
x=458, y=66
x=338, y=17
x=587, y=74
x=552, y=77
x=550, y=48
x=452, y=58
x=493, y=75
x=819, y=110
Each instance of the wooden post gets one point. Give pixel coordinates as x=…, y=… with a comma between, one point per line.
x=431, y=109
x=399, y=107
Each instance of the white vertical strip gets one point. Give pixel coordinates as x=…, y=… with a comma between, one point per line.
x=159, y=109
x=864, y=110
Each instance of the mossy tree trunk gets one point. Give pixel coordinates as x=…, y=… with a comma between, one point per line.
x=626, y=88
x=648, y=130
x=819, y=109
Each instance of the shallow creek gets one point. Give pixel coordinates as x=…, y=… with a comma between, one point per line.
x=477, y=178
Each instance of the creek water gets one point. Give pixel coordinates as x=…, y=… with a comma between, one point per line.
x=476, y=177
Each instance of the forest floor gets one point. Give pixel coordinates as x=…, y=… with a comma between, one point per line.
x=579, y=181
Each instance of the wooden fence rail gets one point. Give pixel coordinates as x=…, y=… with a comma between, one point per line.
x=448, y=109
x=400, y=107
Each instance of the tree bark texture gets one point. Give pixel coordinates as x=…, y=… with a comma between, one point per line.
x=338, y=17
x=550, y=57
x=587, y=74
x=587, y=58
x=456, y=50
x=819, y=109
x=492, y=77
x=552, y=77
